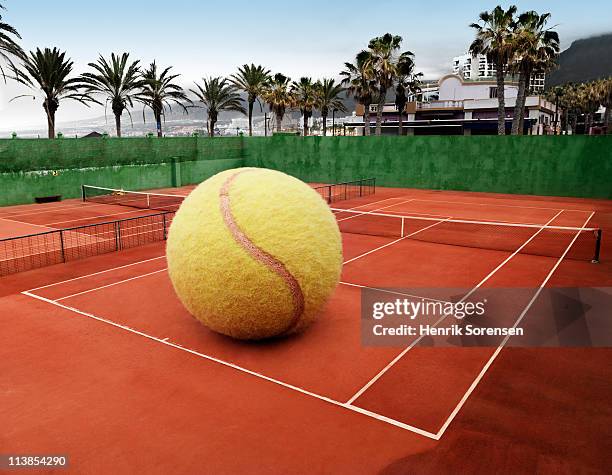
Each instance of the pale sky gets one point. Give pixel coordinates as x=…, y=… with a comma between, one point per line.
x=202, y=38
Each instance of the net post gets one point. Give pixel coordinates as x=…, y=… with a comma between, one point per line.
x=329, y=194
x=83, y=192
x=61, y=233
x=595, y=259
x=360, y=188
x=117, y=236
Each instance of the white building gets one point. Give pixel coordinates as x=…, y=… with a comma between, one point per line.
x=480, y=68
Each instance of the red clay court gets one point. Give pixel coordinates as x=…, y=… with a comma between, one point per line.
x=101, y=362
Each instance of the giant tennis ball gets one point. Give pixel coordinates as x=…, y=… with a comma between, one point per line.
x=254, y=253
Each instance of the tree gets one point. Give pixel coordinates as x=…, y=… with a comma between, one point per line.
x=384, y=58
x=304, y=97
x=252, y=80
x=119, y=81
x=9, y=49
x=359, y=80
x=407, y=83
x=328, y=98
x=536, y=49
x=278, y=97
x=158, y=92
x=605, y=93
x=217, y=95
x=495, y=38
x=48, y=70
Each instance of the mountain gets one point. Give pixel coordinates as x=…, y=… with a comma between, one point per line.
x=585, y=60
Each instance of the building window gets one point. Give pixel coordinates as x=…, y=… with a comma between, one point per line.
x=493, y=93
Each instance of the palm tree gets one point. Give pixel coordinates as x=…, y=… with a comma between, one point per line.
x=384, y=60
x=252, y=80
x=9, y=49
x=359, y=80
x=605, y=92
x=536, y=51
x=217, y=95
x=407, y=83
x=304, y=97
x=278, y=97
x=48, y=71
x=119, y=81
x=495, y=39
x=328, y=98
x=158, y=92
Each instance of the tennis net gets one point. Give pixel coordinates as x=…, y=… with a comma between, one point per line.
x=347, y=190
x=167, y=202
x=134, y=199
x=534, y=239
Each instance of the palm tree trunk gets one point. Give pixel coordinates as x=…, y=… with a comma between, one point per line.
x=251, y=103
x=608, y=119
x=118, y=124
x=366, y=119
x=379, y=110
x=501, y=100
x=519, y=107
x=159, y=124
x=51, y=124
x=305, y=124
x=401, y=124
x=279, y=120
x=324, y=116
x=212, y=127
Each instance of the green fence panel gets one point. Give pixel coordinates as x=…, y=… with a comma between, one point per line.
x=578, y=166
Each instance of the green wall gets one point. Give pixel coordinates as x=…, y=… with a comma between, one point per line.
x=541, y=165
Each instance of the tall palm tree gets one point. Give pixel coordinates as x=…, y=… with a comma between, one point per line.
x=48, y=70
x=328, y=98
x=119, y=81
x=217, y=95
x=359, y=80
x=159, y=92
x=536, y=50
x=9, y=49
x=384, y=58
x=278, y=97
x=408, y=82
x=495, y=38
x=304, y=97
x=252, y=80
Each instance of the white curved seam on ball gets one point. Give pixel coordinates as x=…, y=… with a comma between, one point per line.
x=259, y=254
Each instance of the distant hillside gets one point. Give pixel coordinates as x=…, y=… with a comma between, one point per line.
x=585, y=60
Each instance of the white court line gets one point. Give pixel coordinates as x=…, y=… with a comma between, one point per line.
x=488, y=364
x=504, y=206
x=164, y=341
x=29, y=224
x=369, y=204
x=393, y=242
x=370, y=211
x=96, y=273
x=407, y=349
x=82, y=205
x=85, y=218
x=140, y=276
x=391, y=292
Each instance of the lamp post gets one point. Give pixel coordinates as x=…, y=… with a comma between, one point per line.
x=334, y=122
x=266, y=119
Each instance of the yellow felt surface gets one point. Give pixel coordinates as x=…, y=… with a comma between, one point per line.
x=222, y=285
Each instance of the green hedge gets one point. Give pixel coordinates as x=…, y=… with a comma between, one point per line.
x=539, y=165
x=61, y=154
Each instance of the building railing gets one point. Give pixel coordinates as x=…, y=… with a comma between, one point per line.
x=440, y=105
